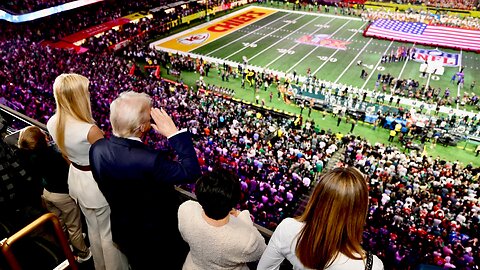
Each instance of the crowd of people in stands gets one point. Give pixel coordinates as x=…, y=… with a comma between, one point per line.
x=145, y=28
x=112, y=36
x=464, y=4
x=277, y=159
x=275, y=173
x=72, y=21
x=422, y=208
x=423, y=17
x=30, y=5
x=21, y=7
x=30, y=93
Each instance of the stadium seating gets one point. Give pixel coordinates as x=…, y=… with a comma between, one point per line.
x=26, y=87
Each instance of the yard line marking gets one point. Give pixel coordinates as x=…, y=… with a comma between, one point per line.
x=305, y=56
x=403, y=68
x=353, y=61
x=233, y=41
x=401, y=71
x=296, y=44
x=285, y=37
x=264, y=36
x=428, y=80
x=335, y=52
x=459, y=69
x=376, y=66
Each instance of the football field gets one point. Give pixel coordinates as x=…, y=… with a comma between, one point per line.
x=284, y=42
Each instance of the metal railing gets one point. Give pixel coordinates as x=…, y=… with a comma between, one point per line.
x=11, y=115
x=7, y=244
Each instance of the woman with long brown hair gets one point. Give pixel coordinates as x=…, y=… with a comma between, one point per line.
x=328, y=234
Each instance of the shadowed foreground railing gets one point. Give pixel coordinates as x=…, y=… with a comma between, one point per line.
x=7, y=245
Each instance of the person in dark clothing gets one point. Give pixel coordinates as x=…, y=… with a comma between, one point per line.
x=345, y=140
x=138, y=182
x=48, y=165
x=363, y=74
x=20, y=201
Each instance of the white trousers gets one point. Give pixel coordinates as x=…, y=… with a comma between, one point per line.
x=106, y=256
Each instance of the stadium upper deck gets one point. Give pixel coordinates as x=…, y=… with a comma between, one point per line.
x=27, y=85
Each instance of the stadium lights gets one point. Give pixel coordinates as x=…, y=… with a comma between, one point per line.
x=44, y=12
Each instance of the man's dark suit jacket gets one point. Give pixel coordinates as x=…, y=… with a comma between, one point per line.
x=138, y=183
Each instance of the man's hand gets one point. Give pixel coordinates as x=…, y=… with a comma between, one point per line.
x=163, y=122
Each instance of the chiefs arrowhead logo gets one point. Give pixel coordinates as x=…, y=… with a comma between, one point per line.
x=194, y=39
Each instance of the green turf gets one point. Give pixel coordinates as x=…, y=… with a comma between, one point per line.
x=271, y=43
x=362, y=129
x=266, y=37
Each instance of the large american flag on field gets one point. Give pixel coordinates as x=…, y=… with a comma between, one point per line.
x=422, y=33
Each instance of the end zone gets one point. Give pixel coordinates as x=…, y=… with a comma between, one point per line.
x=206, y=33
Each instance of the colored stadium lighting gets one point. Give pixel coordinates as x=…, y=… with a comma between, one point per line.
x=44, y=12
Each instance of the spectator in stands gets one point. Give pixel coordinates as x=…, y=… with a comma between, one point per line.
x=73, y=130
x=19, y=194
x=30, y=5
x=39, y=158
x=329, y=232
x=219, y=235
x=138, y=182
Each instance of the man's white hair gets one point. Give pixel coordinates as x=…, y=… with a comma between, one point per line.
x=129, y=112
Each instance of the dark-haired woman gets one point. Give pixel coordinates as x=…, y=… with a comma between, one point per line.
x=219, y=236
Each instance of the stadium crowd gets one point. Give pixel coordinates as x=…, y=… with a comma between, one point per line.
x=63, y=24
x=26, y=6
x=431, y=210
x=31, y=94
x=422, y=208
x=30, y=5
x=464, y=4
x=20, y=7
x=217, y=124
x=421, y=16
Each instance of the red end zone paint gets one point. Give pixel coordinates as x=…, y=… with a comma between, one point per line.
x=196, y=37
x=235, y=21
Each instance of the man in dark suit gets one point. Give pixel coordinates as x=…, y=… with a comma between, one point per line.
x=138, y=182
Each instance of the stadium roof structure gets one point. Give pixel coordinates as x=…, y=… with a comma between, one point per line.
x=14, y=18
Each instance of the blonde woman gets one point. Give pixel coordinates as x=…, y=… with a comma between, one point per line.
x=328, y=234
x=73, y=129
